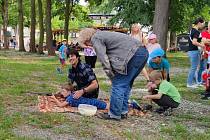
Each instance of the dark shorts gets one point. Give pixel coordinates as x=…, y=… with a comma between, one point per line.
x=62, y=61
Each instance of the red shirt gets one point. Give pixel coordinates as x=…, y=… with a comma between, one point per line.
x=206, y=35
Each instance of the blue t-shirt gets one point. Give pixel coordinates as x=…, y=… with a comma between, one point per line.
x=164, y=65
x=62, y=51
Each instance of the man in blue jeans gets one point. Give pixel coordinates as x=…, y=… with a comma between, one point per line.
x=122, y=58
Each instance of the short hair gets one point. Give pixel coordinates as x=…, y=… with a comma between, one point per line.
x=156, y=75
x=198, y=20
x=68, y=87
x=74, y=52
x=85, y=35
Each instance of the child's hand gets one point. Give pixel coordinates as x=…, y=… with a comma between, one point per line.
x=146, y=97
x=52, y=98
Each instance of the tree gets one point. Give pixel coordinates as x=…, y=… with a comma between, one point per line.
x=20, y=25
x=51, y=51
x=67, y=14
x=4, y=11
x=129, y=12
x=160, y=21
x=33, y=27
x=41, y=27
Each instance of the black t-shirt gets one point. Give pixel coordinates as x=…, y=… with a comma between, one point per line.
x=194, y=34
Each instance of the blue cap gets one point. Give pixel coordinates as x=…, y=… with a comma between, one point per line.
x=157, y=52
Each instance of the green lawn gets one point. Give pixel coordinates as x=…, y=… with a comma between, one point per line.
x=21, y=73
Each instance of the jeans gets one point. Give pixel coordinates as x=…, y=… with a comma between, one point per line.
x=202, y=67
x=82, y=100
x=122, y=84
x=194, y=60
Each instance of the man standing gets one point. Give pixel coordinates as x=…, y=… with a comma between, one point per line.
x=122, y=58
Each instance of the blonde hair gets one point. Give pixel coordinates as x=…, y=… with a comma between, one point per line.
x=139, y=33
x=156, y=75
x=85, y=35
x=68, y=87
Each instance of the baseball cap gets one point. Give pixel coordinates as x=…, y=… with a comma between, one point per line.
x=157, y=52
x=152, y=36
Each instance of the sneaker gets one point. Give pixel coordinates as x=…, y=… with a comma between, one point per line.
x=200, y=84
x=204, y=93
x=160, y=110
x=192, y=86
x=168, y=112
x=124, y=116
x=106, y=116
x=58, y=69
x=206, y=97
x=147, y=107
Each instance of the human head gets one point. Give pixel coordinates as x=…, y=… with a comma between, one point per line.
x=85, y=36
x=152, y=38
x=74, y=57
x=156, y=55
x=64, y=41
x=156, y=77
x=135, y=28
x=199, y=22
x=66, y=89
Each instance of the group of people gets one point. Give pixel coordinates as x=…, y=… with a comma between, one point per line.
x=199, y=48
x=123, y=57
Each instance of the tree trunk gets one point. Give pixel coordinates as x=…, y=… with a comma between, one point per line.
x=5, y=22
x=160, y=21
x=0, y=36
x=172, y=39
x=33, y=27
x=51, y=51
x=41, y=28
x=67, y=14
x=20, y=24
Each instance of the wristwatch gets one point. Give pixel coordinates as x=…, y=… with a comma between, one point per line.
x=84, y=90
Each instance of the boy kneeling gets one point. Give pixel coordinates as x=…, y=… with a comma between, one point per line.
x=162, y=92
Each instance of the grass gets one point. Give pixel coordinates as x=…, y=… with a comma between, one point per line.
x=21, y=73
x=180, y=132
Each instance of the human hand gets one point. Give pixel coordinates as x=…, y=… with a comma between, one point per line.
x=146, y=97
x=78, y=94
x=52, y=98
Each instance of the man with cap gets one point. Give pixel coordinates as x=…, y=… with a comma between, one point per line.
x=157, y=62
x=62, y=55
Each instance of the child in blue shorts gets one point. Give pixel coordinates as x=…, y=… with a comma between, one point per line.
x=67, y=93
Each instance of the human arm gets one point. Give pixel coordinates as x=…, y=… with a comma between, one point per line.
x=151, y=97
x=196, y=43
x=60, y=104
x=101, y=50
x=93, y=86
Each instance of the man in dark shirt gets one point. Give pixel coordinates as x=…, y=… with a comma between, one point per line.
x=83, y=76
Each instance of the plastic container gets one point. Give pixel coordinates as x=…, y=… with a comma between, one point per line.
x=87, y=110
